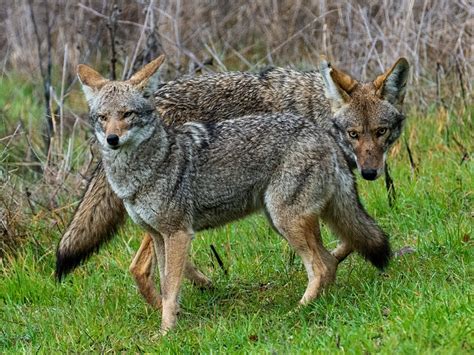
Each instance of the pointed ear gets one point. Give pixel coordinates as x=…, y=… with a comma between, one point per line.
x=140, y=78
x=91, y=81
x=339, y=85
x=391, y=85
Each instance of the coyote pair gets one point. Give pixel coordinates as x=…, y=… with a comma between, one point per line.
x=295, y=169
x=210, y=98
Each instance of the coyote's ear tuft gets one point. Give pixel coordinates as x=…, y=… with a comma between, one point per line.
x=391, y=85
x=91, y=81
x=140, y=78
x=339, y=85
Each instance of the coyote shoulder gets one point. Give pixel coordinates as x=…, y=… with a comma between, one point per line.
x=176, y=181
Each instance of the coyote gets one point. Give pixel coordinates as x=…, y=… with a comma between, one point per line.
x=369, y=113
x=175, y=181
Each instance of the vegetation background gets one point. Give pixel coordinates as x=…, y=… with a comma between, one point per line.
x=423, y=302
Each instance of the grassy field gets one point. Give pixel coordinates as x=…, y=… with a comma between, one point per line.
x=422, y=303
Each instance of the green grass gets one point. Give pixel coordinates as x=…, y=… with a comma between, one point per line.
x=421, y=304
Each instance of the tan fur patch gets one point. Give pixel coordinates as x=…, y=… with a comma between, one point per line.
x=343, y=80
x=115, y=126
x=140, y=77
x=90, y=77
x=142, y=269
x=369, y=152
x=381, y=80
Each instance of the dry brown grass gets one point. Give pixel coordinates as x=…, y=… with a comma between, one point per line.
x=360, y=36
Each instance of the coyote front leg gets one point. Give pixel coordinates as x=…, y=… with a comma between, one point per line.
x=143, y=266
x=176, y=253
x=190, y=271
x=342, y=251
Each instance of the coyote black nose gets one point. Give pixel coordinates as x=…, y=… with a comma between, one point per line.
x=369, y=174
x=113, y=139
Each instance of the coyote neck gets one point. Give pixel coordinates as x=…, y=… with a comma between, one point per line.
x=132, y=168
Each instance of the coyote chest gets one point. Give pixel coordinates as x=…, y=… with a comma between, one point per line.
x=147, y=209
x=121, y=169
x=140, y=216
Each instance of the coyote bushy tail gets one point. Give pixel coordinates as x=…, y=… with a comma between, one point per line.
x=98, y=217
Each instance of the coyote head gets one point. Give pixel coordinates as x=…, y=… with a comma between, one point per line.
x=367, y=115
x=119, y=112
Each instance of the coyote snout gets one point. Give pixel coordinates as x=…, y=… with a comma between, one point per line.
x=372, y=173
x=370, y=158
x=115, y=130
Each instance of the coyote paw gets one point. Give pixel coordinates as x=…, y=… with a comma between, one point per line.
x=304, y=302
x=312, y=291
x=198, y=278
x=203, y=284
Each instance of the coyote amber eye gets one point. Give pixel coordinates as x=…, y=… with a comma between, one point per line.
x=102, y=118
x=127, y=114
x=353, y=134
x=381, y=131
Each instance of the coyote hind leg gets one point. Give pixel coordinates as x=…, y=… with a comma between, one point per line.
x=143, y=269
x=303, y=234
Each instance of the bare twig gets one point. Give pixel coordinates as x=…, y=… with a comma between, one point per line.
x=28, y=198
x=390, y=187
x=439, y=70
x=98, y=14
x=410, y=157
x=140, y=39
x=218, y=258
x=61, y=98
x=461, y=81
x=45, y=72
x=112, y=27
